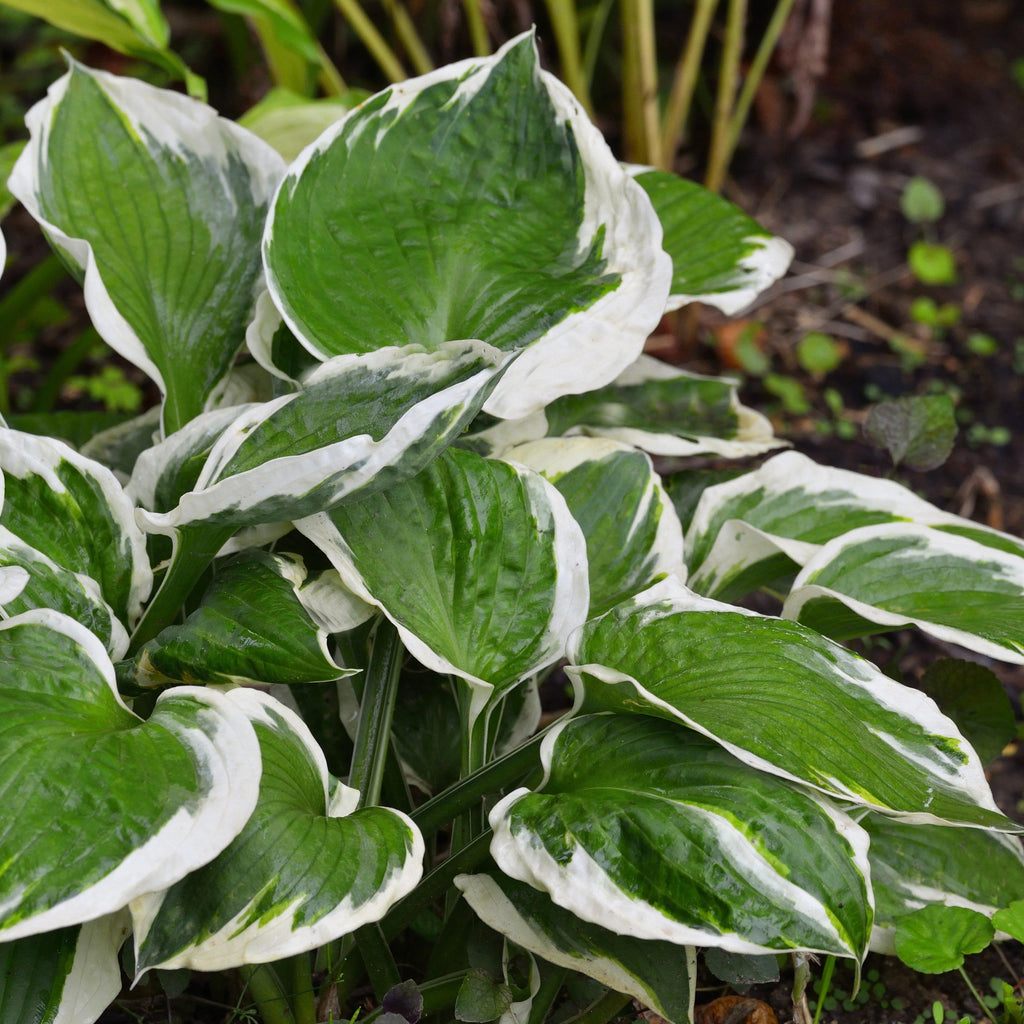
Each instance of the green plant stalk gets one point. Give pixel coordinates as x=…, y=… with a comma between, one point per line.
x=473, y=756
x=328, y=76
x=974, y=992
x=385, y=57
x=436, y=883
x=477, y=28
x=756, y=73
x=411, y=40
x=380, y=688
x=467, y=792
x=567, y=36
x=550, y=985
x=300, y=982
x=602, y=1009
x=677, y=110
x=377, y=956
x=63, y=367
x=195, y=547
x=595, y=33
x=640, y=83
x=826, y=982
x=728, y=76
x=36, y=284
x=263, y=983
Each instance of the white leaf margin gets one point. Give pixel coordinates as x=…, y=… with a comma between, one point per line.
x=280, y=937
x=936, y=541
x=94, y=980
x=613, y=330
x=582, y=887
x=182, y=126
x=229, y=757
x=24, y=454
x=670, y=596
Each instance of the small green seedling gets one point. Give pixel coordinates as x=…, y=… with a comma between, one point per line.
x=819, y=353
x=921, y=201
x=982, y=344
x=790, y=392
x=932, y=263
x=918, y=432
x=936, y=938
x=926, y=311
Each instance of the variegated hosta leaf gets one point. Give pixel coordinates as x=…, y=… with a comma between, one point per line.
x=478, y=563
x=75, y=512
x=357, y=424
x=44, y=584
x=631, y=527
x=903, y=574
x=652, y=406
x=251, y=626
x=659, y=974
x=306, y=868
x=783, y=699
x=749, y=531
x=654, y=831
x=101, y=806
x=159, y=203
x=914, y=865
x=473, y=202
x=68, y=976
x=720, y=256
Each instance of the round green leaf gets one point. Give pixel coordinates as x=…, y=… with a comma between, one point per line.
x=936, y=938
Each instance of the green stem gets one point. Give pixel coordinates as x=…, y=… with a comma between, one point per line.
x=728, y=75
x=436, y=883
x=373, y=735
x=385, y=57
x=411, y=40
x=262, y=982
x=567, y=36
x=467, y=792
x=602, y=1010
x=974, y=992
x=194, y=549
x=550, y=985
x=756, y=73
x=328, y=76
x=300, y=981
x=826, y=982
x=477, y=28
x=598, y=23
x=473, y=750
x=376, y=954
x=640, y=83
x=677, y=111
x=35, y=285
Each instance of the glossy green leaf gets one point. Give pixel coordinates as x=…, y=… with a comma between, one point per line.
x=28, y=579
x=762, y=525
x=136, y=804
x=935, y=939
x=652, y=406
x=251, y=626
x=883, y=577
x=643, y=827
x=473, y=202
x=478, y=563
x=784, y=699
x=632, y=532
x=74, y=511
x=306, y=868
x=915, y=865
x=1011, y=920
x=170, y=257
x=720, y=256
x=659, y=974
x=68, y=976
x=357, y=424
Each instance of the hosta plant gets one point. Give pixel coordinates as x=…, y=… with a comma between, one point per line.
x=271, y=652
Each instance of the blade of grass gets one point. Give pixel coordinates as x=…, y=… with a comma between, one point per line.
x=677, y=111
x=595, y=33
x=379, y=49
x=728, y=76
x=477, y=28
x=756, y=73
x=411, y=39
x=567, y=36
